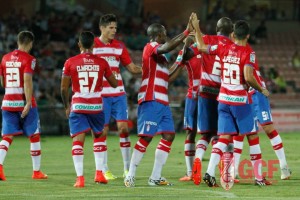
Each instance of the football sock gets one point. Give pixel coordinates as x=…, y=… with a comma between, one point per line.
x=137, y=155
x=189, y=151
x=161, y=156
x=238, y=142
x=125, y=149
x=4, y=145
x=77, y=154
x=278, y=147
x=201, y=147
x=216, y=155
x=99, y=149
x=35, y=151
x=255, y=155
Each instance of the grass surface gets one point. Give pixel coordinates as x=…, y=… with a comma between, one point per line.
x=57, y=163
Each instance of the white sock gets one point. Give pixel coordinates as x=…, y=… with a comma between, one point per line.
x=277, y=145
x=99, y=149
x=238, y=148
x=201, y=148
x=77, y=154
x=125, y=149
x=35, y=151
x=161, y=156
x=137, y=155
x=189, y=151
x=216, y=155
x=4, y=145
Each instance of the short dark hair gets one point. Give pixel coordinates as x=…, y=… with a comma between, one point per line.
x=154, y=30
x=86, y=38
x=25, y=37
x=225, y=26
x=107, y=19
x=241, y=29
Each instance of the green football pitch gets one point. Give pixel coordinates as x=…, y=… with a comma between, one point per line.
x=57, y=163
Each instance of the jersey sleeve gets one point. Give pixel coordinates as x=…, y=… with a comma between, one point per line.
x=66, y=69
x=125, y=57
x=194, y=49
x=30, y=66
x=214, y=49
x=250, y=60
x=107, y=70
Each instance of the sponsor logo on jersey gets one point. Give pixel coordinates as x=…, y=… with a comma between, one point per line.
x=232, y=98
x=88, y=107
x=214, y=47
x=13, y=104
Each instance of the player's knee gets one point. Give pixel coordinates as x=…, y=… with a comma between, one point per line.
x=168, y=137
x=123, y=129
x=268, y=128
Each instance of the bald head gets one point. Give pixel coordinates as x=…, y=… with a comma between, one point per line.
x=155, y=30
x=224, y=26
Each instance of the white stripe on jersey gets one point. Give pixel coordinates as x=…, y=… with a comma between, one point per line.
x=212, y=77
x=87, y=95
x=160, y=82
x=14, y=91
x=233, y=87
x=145, y=82
x=112, y=63
x=14, y=104
x=107, y=50
x=112, y=91
x=141, y=95
x=232, y=98
x=161, y=96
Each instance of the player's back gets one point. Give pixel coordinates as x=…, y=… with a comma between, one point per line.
x=13, y=67
x=234, y=89
x=211, y=68
x=86, y=72
x=155, y=75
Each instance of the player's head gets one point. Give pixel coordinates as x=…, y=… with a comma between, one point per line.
x=25, y=40
x=86, y=40
x=108, y=26
x=157, y=32
x=224, y=26
x=241, y=30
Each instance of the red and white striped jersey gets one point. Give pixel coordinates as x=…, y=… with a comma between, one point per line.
x=155, y=76
x=86, y=72
x=114, y=53
x=234, y=90
x=210, y=82
x=193, y=67
x=13, y=67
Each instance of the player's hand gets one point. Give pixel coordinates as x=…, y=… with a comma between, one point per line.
x=265, y=92
x=26, y=110
x=68, y=112
x=195, y=21
x=190, y=27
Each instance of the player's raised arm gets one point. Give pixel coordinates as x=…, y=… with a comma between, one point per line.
x=171, y=44
x=200, y=43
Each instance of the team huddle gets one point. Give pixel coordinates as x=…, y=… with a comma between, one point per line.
x=225, y=100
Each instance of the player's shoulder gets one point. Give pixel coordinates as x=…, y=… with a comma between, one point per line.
x=118, y=43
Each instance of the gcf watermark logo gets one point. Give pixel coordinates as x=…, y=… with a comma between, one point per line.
x=247, y=172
